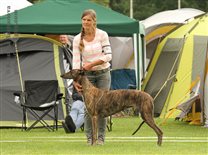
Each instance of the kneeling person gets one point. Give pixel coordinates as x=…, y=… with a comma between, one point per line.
x=75, y=119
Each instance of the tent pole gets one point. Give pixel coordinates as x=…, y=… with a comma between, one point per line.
x=204, y=99
x=18, y=64
x=131, y=9
x=137, y=60
x=20, y=76
x=143, y=56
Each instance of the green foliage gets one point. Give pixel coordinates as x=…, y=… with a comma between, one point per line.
x=121, y=6
x=143, y=8
x=103, y=2
x=35, y=1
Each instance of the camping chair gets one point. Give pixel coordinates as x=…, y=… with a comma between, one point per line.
x=40, y=99
x=185, y=106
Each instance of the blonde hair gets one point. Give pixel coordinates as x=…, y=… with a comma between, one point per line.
x=92, y=13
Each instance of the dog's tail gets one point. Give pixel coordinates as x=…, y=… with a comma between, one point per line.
x=138, y=128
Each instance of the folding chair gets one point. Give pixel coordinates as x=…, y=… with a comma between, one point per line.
x=185, y=106
x=40, y=99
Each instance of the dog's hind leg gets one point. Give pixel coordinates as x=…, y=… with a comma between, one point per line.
x=138, y=128
x=151, y=123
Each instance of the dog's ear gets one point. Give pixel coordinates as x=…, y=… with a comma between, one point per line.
x=77, y=74
x=81, y=72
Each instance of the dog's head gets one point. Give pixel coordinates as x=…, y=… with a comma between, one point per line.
x=74, y=74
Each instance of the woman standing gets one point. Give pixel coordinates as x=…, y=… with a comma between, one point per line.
x=92, y=53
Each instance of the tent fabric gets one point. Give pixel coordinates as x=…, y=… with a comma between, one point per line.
x=24, y=45
x=163, y=22
x=160, y=24
x=177, y=16
x=64, y=16
x=206, y=100
x=189, y=65
x=159, y=31
x=38, y=61
x=162, y=75
x=122, y=48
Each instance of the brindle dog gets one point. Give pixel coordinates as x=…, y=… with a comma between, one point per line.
x=103, y=103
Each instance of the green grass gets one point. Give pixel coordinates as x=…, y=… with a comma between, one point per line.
x=179, y=138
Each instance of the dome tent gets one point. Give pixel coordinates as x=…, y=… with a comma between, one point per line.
x=179, y=59
x=39, y=58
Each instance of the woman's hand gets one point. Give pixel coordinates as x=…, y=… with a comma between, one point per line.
x=87, y=66
x=77, y=86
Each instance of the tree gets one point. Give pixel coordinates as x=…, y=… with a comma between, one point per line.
x=103, y=2
x=144, y=8
x=35, y=1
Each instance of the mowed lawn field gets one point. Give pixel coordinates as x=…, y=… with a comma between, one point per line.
x=180, y=138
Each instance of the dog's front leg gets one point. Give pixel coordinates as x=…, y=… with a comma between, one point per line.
x=94, y=130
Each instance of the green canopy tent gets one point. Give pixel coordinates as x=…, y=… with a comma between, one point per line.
x=64, y=16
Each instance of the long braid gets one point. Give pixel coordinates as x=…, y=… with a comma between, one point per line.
x=93, y=15
x=81, y=43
